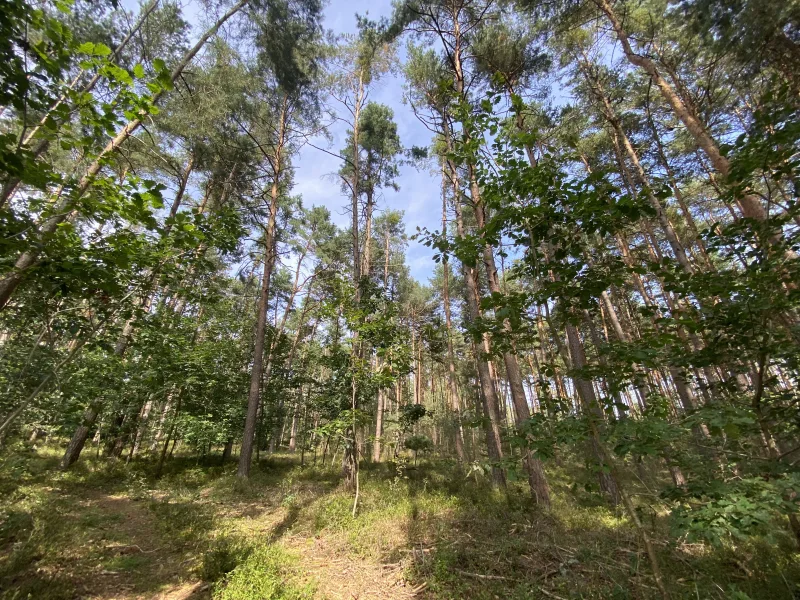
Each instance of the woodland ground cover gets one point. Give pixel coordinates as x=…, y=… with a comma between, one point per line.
x=105, y=531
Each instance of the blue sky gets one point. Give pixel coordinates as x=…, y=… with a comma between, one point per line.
x=419, y=194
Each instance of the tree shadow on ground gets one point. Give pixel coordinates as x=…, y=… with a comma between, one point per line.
x=469, y=541
x=101, y=545
x=102, y=530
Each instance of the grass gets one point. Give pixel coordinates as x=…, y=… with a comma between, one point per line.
x=263, y=574
x=104, y=530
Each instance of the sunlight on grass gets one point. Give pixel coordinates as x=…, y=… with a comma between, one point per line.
x=275, y=535
x=263, y=574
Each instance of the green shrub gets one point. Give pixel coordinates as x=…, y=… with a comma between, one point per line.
x=263, y=575
x=223, y=556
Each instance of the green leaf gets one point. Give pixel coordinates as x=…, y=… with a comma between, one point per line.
x=63, y=6
x=165, y=80
x=119, y=74
x=101, y=50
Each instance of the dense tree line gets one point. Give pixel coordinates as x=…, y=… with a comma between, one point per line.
x=616, y=277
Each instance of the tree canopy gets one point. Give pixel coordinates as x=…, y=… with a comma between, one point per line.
x=611, y=207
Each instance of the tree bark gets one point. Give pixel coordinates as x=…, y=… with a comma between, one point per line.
x=613, y=119
x=593, y=411
x=536, y=477
x=253, y=397
x=349, y=453
x=78, y=440
x=749, y=203
x=455, y=401
x=481, y=349
x=293, y=430
x=376, y=448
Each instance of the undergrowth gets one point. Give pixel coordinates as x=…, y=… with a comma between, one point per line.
x=88, y=531
x=263, y=574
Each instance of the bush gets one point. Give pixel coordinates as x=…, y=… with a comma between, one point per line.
x=263, y=575
x=418, y=443
x=224, y=555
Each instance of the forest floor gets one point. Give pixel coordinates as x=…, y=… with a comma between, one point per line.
x=109, y=531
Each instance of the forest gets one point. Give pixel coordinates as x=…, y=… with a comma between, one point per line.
x=547, y=348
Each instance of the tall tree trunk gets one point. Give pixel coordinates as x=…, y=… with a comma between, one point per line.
x=575, y=357
x=366, y=258
x=245, y=456
x=277, y=428
x=592, y=409
x=142, y=427
x=676, y=190
x=355, y=185
x=536, y=477
x=161, y=422
x=376, y=448
x=293, y=430
x=621, y=137
x=79, y=437
x=481, y=349
x=451, y=363
x=749, y=203
x=172, y=432
x=349, y=453
x=253, y=397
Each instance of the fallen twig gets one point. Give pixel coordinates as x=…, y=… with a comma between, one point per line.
x=480, y=576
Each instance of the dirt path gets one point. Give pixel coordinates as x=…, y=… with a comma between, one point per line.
x=340, y=576
x=110, y=540
x=139, y=562
x=136, y=562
